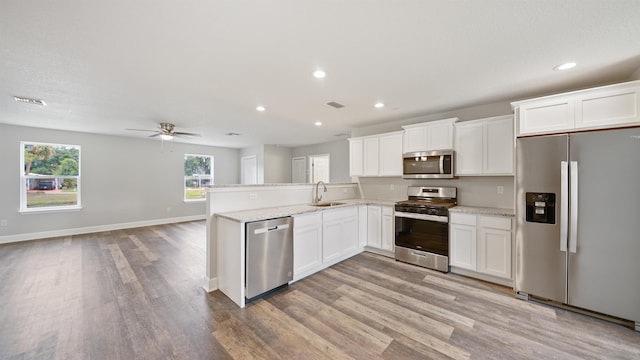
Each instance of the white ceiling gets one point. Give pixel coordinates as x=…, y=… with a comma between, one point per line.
x=104, y=66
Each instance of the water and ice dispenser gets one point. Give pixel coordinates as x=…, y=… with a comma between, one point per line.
x=541, y=207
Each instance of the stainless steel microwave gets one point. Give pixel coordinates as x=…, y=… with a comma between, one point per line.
x=428, y=165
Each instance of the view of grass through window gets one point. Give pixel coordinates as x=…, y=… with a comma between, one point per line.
x=51, y=176
x=198, y=173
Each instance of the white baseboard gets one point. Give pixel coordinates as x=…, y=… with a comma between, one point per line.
x=210, y=284
x=92, y=229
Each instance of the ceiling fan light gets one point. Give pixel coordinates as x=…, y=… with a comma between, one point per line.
x=166, y=137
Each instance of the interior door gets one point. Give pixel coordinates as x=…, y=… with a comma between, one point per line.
x=540, y=262
x=299, y=170
x=249, y=170
x=603, y=263
x=319, y=165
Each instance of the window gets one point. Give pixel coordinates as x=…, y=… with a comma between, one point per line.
x=198, y=173
x=50, y=177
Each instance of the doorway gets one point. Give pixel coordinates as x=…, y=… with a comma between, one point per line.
x=249, y=170
x=319, y=168
x=299, y=170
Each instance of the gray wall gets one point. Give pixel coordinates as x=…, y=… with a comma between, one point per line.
x=338, y=157
x=277, y=164
x=123, y=180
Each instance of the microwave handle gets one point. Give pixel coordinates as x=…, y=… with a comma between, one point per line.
x=441, y=164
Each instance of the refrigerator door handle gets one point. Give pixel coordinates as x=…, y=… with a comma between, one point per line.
x=573, y=230
x=564, y=204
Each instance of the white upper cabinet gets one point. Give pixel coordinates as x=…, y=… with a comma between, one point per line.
x=390, y=151
x=356, y=157
x=603, y=107
x=484, y=147
x=376, y=155
x=433, y=135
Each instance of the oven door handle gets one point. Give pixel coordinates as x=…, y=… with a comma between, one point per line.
x=441, y=219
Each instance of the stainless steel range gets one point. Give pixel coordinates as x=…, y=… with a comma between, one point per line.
x=422, y=226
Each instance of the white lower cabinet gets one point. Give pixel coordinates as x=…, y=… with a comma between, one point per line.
x=323, y=238
x=307, y=244
x=380, y=227
x=339, y=233
x=482, y=244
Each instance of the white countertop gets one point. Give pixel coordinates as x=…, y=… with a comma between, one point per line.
x=289, y=210
x=478, y=210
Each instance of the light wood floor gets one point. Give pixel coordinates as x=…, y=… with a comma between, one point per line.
x=136, y=294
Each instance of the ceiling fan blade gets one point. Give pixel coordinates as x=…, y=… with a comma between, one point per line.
x=180, y=133
x=154, y=135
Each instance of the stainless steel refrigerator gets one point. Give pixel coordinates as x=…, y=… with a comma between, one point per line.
x=578, y=220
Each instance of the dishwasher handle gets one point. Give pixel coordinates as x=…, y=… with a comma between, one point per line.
x=268, y=229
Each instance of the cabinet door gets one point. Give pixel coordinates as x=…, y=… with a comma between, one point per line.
x=546, y=117
x=494, y=252
x=307, y=244
x=608, y=107
x=415, y=139
x=468, y=146
x=349, y=235
x=440, y=136
x=387, y=230
x=356, y=159
x=391, y=154
x=371, y=156
x=374, y=226
x=462, y=246
x=362, y=226
x=498, y=146
x=331, y=239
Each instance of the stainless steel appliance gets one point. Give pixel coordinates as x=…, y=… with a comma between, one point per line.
x=269, y=255
x=428, y=165
x=422, y=227
x=578, y=223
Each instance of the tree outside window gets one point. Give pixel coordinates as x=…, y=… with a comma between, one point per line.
x=50, y=176
x=198, y=174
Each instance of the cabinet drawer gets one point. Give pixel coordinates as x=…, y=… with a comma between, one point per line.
x=314, y=219
x=387, y=210
x=463, y=219
x=502, y=223
x=340, y=214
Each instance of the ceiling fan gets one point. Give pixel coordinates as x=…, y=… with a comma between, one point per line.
x=166, y=132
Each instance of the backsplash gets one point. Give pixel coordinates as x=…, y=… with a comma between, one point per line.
x=472, y=190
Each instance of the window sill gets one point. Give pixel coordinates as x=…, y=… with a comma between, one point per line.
x=194, y=201
x=50, y=210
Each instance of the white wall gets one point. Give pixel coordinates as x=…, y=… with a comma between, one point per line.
x=124, y=181
x=464, y=114
x=277, y=164
x=338, y=157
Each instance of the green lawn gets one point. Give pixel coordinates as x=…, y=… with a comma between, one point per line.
x=42, y=199
x=193, y=194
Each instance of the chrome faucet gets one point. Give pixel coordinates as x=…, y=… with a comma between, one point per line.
x=318, y=198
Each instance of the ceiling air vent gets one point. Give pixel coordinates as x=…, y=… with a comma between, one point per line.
x=29, y=101
x=232, y=134
x=335, y=104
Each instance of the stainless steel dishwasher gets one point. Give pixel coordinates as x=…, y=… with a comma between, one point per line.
x=269, y=255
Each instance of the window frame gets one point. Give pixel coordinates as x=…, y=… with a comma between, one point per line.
x=23, y=181
x=185, y=177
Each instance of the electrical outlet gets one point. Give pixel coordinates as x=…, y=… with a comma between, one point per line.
x=500, y=190
x=253, y=196
x=3, y=222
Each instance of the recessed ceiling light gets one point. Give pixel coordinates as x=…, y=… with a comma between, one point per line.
x=319, y=74
x=29, y=100
x=318, y=123
x=379, y=105
x=261, y=108
x=565, y=66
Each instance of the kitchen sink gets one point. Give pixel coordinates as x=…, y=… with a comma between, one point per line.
x=327, y=204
